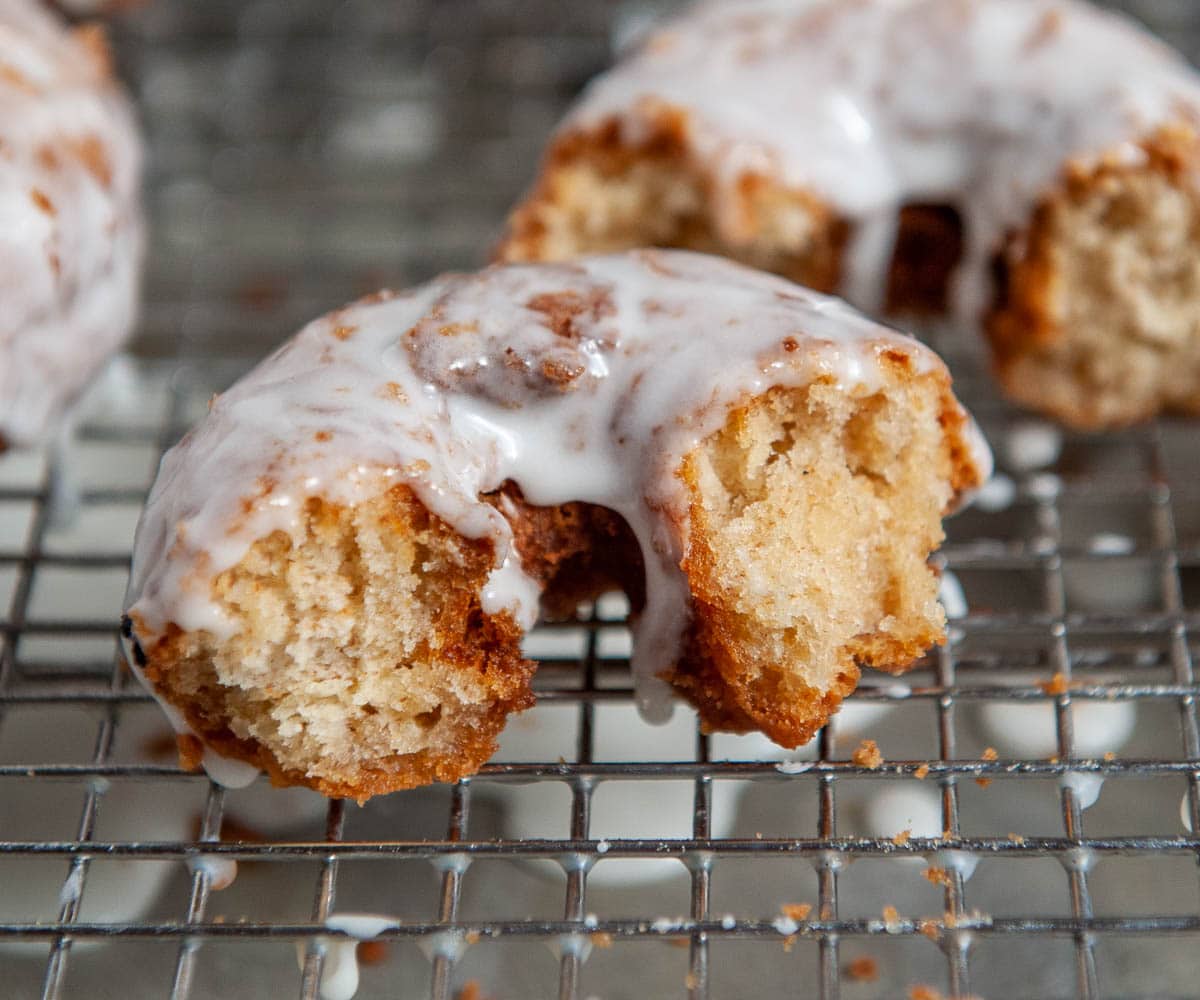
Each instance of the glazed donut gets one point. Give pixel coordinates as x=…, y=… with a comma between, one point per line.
x=71, y=239
x=334, y=570
x=1030, y=163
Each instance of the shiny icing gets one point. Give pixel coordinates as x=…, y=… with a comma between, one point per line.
x=874, y=104
x=584, y=381
x=70, y=228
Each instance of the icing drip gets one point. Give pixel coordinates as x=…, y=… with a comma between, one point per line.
x=70, y=227
x=586, y=382
x=874, y=104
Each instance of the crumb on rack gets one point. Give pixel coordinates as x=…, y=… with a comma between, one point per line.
x=929, y=928
x=796, y=911
x=922, y=772
x=939, y=876
x=372, y=952
x=982, y=781
x=989, y=754
x=920, y=991
x=472, y=937
x=1057, y=684
x=867, y=755
x=1109, y=756
x=690, y=981
x=863, y=969
x=1016, y=838
x=902, y=837
x=470, y=990
x=601, y=939
x=789, y=943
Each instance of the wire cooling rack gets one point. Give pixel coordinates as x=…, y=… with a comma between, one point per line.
x=1027, y=834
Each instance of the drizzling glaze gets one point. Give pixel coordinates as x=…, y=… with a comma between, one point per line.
x=70, y=228
x=874, y=104
x=587, y=381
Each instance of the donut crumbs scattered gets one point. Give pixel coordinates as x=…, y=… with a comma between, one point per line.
x=796, y=911
x=863, y=969
x=989, y=754
x=1056, y=685
x=902, y=838
x=867, y=755
x=939, y=876
x=922, y=772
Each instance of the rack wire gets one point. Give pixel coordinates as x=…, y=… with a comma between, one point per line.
x=305, y=152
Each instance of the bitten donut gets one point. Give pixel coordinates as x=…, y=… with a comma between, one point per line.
x=334, y=570
x=1030, y=162
x=71, y=232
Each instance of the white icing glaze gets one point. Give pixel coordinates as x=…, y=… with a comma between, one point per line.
x=362, y=926
x=221, y=871
x=1085, y=784
x=70, y=225
x=460, y=385
x=874, y=104
x=963, y=862
x=339, y=972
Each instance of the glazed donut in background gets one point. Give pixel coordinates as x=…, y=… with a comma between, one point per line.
x=71, y=233
x=1030, y=162
x=335, y=569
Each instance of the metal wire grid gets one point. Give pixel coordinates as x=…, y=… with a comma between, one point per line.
x=247, y=111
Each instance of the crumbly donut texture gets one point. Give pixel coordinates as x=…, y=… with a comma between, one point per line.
x=1030, y=165
x=71, y=239
x=336, y=567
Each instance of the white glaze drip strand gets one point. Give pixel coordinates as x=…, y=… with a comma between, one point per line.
x=870, y=105
x=339, y=971
x=70, y=224
x=585, y=382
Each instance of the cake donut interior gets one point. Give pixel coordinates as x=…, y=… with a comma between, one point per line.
x=335, y=568
x=1024, y=166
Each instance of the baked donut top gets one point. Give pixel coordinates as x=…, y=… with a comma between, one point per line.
x=70, y=165
x=584, y=381
x=873, y=104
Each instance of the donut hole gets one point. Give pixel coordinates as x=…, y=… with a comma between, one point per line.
x=813, y=516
